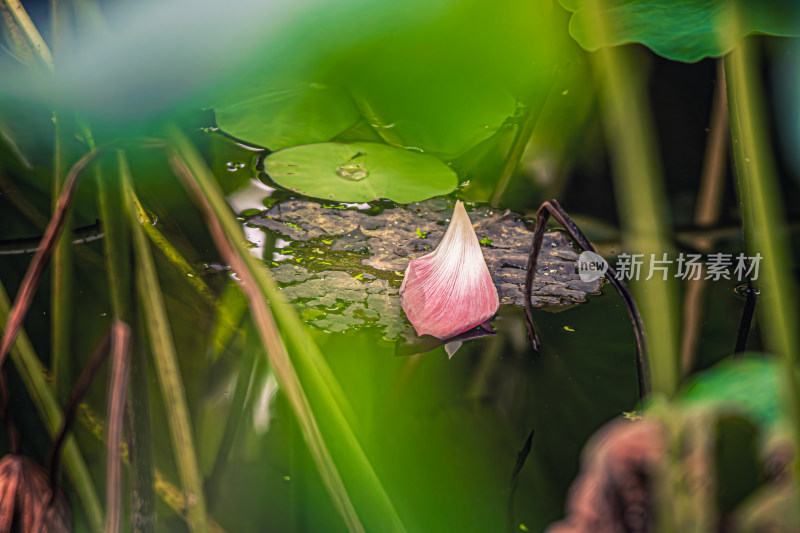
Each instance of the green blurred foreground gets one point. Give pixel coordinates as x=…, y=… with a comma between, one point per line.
x=178, y=121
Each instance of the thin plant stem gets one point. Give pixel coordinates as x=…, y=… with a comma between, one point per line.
x=552, y=208
x=62, y=280
x=169, y=494
x=117, y=392
x=30, y=31
x=270, y=336
x=167, y=370
x=523, y=135
x=709, y=202
x=117, y=257
x=172, y=254
x=36, y=382
x=747, y=318
x=33, y=275
x=764, y=221
x=276, y=322
x=143, y=474
x=79, y=390
x=640, y=192
x=19, y=47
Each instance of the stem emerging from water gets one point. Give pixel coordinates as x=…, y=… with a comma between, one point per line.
x=764, y=222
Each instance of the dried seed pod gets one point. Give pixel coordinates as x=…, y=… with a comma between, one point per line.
x=450, y=291
x=25, y=499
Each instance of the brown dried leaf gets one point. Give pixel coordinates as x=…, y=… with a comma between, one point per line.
x=25, y=499
x=613, y=491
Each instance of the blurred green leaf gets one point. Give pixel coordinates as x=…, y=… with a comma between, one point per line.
x=360, y=172
x=446, y=115
x=281, y=114
x=751, y=383
x=685, y=30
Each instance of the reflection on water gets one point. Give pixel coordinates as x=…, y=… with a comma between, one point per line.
x=251, y=197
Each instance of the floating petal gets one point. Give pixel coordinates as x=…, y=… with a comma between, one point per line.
x=450, y=290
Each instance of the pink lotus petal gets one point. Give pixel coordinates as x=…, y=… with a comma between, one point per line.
x=450, y=290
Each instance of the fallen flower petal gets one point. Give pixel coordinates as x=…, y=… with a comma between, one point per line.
x=450, y=290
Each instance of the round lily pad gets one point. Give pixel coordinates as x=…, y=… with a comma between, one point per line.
x=281, y=114
x=359, y=172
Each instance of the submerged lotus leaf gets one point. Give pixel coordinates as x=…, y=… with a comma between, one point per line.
x=685, y=30
x=450, y=290
x=360, y=172
x=343, y=267
x=281, y=114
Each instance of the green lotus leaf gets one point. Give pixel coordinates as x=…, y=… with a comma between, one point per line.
x=281, y=114
x=446, y=116
x=359, y=172
x=685, y=30
x=751, y=384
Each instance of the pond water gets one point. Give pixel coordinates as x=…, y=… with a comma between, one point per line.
x=442, y=434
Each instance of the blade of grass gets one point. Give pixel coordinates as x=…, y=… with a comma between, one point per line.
x=640, y=195
x=707, y=211
x=764, y=221
x=171, y=253
x=62, y=274
x=230, y=312
x=35, y=381
x=117, y=392
x=117, y=256
x=32, y=34
x=34, y=273
x=279, y=359
x=167, y=370
x=170, y=494
x=19, y=46
x=259, y=287
x=79, y=390
x=143, y=473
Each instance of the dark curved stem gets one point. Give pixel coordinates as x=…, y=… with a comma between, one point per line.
x=55, y=227
x=521, y=457
x=747, y=318
x=82, y=384
x=13, y=436
x=33, y=275
x=552, y=208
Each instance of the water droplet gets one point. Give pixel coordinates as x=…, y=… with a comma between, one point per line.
x=743, y=289
x=152, y=218
x=233, y=167
x=352, y=171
